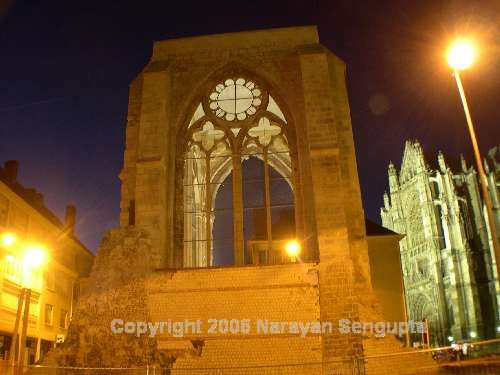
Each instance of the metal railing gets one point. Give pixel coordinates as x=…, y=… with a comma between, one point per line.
x=63, y=370
x=480, y=358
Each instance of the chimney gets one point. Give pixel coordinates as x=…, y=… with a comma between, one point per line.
x=70, y=219
x=10, y=169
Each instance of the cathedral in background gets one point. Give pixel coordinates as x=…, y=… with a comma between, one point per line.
x=448, y=262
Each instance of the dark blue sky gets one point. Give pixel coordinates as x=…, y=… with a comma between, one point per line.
x=65, y=67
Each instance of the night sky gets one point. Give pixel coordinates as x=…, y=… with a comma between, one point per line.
x=65, y=68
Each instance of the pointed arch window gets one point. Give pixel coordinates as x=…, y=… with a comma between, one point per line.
x=237, y=178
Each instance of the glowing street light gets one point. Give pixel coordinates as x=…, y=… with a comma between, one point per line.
x=34, y=256
x=461, y=55
x=8, y=239
x=293, y=249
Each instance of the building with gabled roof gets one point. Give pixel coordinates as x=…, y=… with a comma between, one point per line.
x=53, y=284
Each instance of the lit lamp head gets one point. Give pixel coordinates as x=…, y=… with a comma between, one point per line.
x=33, y=260
x=461, y=55
x=34, y=256
x=8, y=239
x=292, y=249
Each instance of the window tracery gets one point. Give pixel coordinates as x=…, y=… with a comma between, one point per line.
x=235, y=99
x=236, y=121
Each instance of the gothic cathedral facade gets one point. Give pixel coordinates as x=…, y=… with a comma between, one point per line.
x=448, y=264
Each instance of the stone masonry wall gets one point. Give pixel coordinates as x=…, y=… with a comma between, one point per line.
x=277, y=293
x=115, y=289
x=308, y=83
x=311, y=91
x=123, y=285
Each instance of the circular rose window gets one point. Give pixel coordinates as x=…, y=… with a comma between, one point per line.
x=235, y=99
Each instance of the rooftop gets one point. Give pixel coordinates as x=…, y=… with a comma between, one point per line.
x=374, y=229
x=8, y=175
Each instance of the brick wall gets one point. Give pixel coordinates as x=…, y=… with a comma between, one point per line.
x=277, y=293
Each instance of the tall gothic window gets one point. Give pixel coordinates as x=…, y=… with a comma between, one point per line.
x=237, y=184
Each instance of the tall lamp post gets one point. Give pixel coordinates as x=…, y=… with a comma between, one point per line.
x=33, y=257
x=461, y=56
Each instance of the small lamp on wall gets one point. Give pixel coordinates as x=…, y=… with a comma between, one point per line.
x=292, y=249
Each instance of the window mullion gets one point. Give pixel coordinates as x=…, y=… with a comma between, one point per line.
x=267, y=203
x=208, y=209
x=238, y=209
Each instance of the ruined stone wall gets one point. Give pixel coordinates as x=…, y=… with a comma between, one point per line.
x=162, y=101
x=128, y=172
x=308, y=83
x=123, y=285
x=115, y=289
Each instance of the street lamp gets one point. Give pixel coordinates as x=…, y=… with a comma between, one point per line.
x=461, y=56
x=33, y=257
x=293, y=249
x=8, y=239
